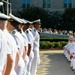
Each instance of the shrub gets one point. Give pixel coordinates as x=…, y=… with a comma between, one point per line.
x=48, y=44
x=63, y=43
x=53, y=40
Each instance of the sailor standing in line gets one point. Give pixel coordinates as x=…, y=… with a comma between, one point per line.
x=30, y=45
x=12, y=46
x=15, y=24
x=5, y=53
x=17, y=56
x=26, y=59
x=25, y=43
x=36, y=59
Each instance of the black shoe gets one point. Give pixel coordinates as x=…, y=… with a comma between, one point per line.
x=72, y=69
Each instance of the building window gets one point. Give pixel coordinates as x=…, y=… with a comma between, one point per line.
x=46, y=3
x=26, y=3
x=67, y=3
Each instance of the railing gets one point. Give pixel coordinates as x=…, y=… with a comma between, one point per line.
x=49, y=35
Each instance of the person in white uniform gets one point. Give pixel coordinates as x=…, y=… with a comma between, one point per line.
x=15, y=23
x=6, y=58
x=12, y=45
x=20, y=30
x=36, y=59
x=66, y=48
x=72, y=55
x=69, y=48
x=26, y=59
x=30, y=46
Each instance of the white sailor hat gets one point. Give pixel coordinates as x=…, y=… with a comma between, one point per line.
x=37, y=22
x=23, y=21
x=70, y=32
x=29, y=22
x=4, y=17
x=15, y=19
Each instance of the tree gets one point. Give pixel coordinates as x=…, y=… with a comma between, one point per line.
x=69, y=19
x=55, y=18
x=34, y=13
x=48, y=19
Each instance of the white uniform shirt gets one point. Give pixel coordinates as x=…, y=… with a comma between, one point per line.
x=25, y=40
x=70, y=45
x=30, y=37
x=67, y=45
x=72, y=49
x=20, y=45
x=36, y=38
x=12, y=44
x=19, y=41
x=4, y=50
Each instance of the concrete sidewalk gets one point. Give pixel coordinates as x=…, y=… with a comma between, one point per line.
x=53, y=62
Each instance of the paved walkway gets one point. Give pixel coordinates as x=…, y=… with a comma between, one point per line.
x=54, y=63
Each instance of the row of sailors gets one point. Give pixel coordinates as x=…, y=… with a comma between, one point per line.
x=69, y=51
x=19, y=45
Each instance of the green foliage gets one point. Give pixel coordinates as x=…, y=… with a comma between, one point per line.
x=33, y=13
x=53, y=40
x=48, y=45
x=68, y=19
x=63, y=43
x=56, y=44
x=48, y=19
x=53, y=20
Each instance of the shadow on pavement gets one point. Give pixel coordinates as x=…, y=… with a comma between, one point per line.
x=54, y=64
